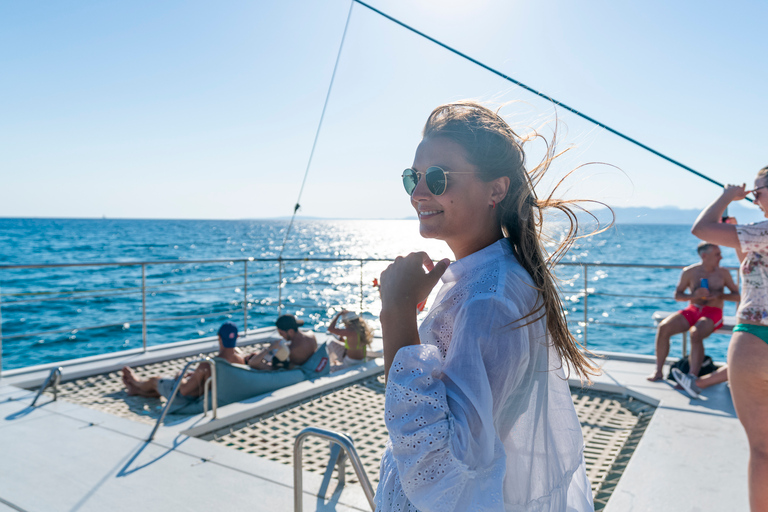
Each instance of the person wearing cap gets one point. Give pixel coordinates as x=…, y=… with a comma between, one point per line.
x=301, y=347
x=356, y=336
x=192, y=384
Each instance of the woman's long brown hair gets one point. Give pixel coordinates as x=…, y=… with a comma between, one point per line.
x=496, y=150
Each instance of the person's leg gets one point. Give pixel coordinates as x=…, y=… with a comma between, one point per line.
x=336, y=351
x=717, y=377
x=700, y=330
x=136, y=386
x=260, y=365
x=673, y=324
x=748, y=373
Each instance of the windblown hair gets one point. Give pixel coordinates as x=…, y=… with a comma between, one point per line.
x=363, y=330
x=496, y=150
x=762, y=173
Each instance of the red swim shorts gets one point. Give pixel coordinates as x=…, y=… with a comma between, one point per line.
x=693, y=313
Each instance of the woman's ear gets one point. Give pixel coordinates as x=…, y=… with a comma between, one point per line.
x=499, y=189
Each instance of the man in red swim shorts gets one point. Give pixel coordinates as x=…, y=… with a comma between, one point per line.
x=707, y=282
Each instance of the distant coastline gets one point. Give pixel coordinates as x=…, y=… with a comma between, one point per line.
x=668, y=215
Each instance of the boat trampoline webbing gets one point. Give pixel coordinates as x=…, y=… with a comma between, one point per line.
x=612, y=424
x=612, y=427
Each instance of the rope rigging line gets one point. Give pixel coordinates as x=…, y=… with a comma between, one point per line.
x=317, y=133
x=542, y=95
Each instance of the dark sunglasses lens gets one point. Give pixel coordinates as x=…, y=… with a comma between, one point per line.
x=435, y=180
x=410, y=180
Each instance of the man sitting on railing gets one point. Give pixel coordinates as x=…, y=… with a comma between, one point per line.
x=704, y=315
x=192, y=384
x=301, y=347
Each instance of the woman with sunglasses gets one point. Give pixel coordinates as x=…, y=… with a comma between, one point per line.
x=748, y=350
x=478, y=409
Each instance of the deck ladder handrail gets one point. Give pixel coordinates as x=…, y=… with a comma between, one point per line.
x=53, y=380
x=348, y=451
x=211, y=382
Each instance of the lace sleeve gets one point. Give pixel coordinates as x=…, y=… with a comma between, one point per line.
x=440, y=414
x=753, y=237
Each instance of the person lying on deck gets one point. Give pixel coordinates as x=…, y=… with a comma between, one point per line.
x=301, y=346
x=193, y=383
x=704, y=315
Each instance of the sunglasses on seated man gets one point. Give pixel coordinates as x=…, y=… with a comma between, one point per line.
x=436, y=178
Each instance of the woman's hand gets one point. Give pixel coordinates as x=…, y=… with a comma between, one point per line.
x=735, y=192
x=405, y=283
x=402, y=286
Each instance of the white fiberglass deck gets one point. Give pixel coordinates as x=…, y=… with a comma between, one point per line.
x=64, y=457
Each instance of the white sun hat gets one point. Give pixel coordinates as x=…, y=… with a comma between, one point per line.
x=349, y=316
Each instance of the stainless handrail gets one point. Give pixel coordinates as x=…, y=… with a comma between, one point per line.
x=53, y=380
x=348, y=449
x=1, y=334
x=144, y=307
x=185, y=262
x=211, y=385
x=177, y=384
x=281, y=271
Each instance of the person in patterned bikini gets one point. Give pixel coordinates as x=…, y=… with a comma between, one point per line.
x=748, y=350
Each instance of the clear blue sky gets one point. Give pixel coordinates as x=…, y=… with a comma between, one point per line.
x=185, y=109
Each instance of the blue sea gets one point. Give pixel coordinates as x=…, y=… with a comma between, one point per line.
x=59, y=313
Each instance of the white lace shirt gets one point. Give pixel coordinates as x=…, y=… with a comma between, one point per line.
x=480, y=416
x=753, y=239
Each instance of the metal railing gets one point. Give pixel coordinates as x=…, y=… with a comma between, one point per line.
x=338, y=458
x=53, y=380
x=33, y=297
x=585, y=293
x=210, y=383
x=29, y=297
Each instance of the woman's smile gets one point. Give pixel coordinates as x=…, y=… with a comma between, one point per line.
x=462, y=215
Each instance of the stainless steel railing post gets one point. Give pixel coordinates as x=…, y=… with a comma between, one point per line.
x=245, y=297
x=144, y=306
x=361, y=287
x=1, y=334
x=586, y=315
x=280, y=286
x=348, y=449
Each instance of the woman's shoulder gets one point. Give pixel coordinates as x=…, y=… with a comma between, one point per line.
x=753, y=237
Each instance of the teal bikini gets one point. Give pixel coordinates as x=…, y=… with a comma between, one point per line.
x=761, y=331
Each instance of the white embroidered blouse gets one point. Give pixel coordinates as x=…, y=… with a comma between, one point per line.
x=753, y=239
x=480, y=416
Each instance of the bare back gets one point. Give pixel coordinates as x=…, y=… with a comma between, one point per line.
x=303, y=345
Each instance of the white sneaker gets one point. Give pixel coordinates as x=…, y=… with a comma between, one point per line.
x=687, y=381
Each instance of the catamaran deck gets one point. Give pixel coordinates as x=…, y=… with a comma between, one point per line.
x=648, y=448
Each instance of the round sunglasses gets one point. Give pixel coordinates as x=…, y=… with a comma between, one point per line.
x=436, y=178
x=755, y=192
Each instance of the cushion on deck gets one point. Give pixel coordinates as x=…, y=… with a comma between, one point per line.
x=238, y=382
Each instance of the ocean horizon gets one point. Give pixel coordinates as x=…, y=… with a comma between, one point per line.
x=97, y=309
